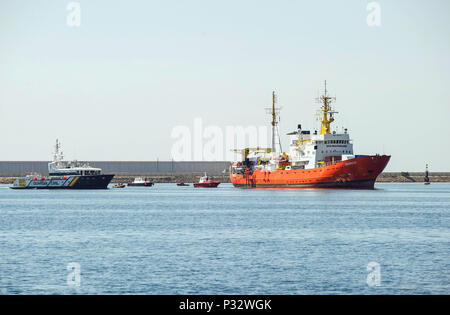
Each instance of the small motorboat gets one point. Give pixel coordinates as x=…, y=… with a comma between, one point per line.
x=142, y=182
x=205, y=182
x=120, y=185
x=182, y=184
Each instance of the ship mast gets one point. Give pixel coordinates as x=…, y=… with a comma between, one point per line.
x=58, y=155
x=326, y=111
x=274, y=112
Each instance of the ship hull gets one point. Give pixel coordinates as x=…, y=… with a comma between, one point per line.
x=70, y=182
x=140, y=184
x=357, y=173
x=207, y=185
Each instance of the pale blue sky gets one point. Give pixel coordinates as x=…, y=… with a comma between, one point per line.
x=113, y=88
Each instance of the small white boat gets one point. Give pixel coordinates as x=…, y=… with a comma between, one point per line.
x=139, y=181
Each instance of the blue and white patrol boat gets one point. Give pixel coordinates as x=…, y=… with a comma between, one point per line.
x=65, y=175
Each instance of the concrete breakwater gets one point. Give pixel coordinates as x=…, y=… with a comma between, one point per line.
x=172, y=178
x=392, y=177
x=125, y=168
x=411, y=177
x=173, y=171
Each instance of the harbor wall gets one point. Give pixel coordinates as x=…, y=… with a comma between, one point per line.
x=21, y=168
x=171, y=171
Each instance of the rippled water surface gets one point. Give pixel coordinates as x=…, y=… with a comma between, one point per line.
x=180, y=240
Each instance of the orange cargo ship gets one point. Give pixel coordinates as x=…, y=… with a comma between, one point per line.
x=324, y=160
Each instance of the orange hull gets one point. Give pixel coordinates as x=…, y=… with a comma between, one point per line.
x=358, y=173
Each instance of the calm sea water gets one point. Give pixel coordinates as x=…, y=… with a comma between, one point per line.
x=180, y=240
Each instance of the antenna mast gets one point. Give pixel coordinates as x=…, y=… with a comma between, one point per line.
x=58, y=155
x=275, y=113
x=326, y=111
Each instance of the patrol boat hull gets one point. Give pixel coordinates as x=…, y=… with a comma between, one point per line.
x=66, y=182
x=357, y=173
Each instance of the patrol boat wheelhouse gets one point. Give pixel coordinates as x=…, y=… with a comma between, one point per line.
x=65, y=175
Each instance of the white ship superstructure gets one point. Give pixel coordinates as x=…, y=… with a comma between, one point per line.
x=59, y=167
x=308, y=150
